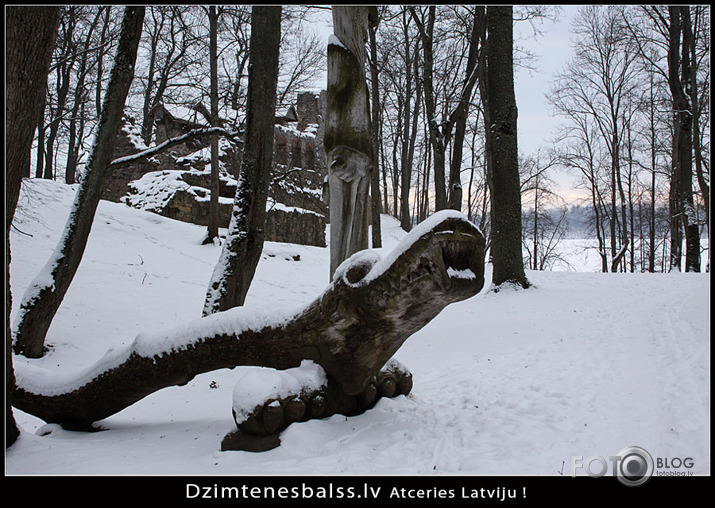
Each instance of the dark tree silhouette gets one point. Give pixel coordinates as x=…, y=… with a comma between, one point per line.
x=29, y=39
x=244, y=242
x=45, y=294
x=502, y=153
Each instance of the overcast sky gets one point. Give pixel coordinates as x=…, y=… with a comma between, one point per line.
x=536, y=125
x=553, y=50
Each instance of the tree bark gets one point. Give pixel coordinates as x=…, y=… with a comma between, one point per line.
x=502, y=151
x=697, y=101
x=348, y=138
x=29, y=41
x=44, y=295
x=244, y=242
x=653, y=160
x=351, y=330
x=408, y=128
x=375, y=208
x=678, y=74
x=40, y=163
x=212, y=233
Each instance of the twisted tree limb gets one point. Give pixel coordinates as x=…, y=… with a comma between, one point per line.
x=372, y=306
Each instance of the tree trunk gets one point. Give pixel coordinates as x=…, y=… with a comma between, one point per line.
x=149, y=105
x=67, y=58
x=459, y=117
x=676, y=225
x=536, y=224
x=613, y=219
x=375, y=209
x=348, y=133
x=71, y=161
x=44, y=295
x=351, y=330
x=244, y=242
x=76, y=131
x=407, y=151
x=435, y=135
x=622, y=198
x=678, y=74
x=29, y=38
x=502, y=152
x=40, y=162
x=212, y=233
x=696, y=100
x=653, y=160
x=100, y=61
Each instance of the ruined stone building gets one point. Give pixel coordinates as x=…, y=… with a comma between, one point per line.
x=176, y=183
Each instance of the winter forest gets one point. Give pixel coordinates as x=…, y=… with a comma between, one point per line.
x=312, y=240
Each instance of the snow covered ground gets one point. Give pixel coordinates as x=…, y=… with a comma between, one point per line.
x=514, y=382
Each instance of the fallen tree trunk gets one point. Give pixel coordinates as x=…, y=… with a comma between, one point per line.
x=372, y=306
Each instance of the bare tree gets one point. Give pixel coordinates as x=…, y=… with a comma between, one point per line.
x=212, y=233
x=679, y=75
x=78, y=112
x=448, y=126
x=436, y=137
x=400, y=108
x=67, y=119
x=579, y=150
x=403, y=91
x=699, y=98
x=598, y=82
x=45, y=294
x=236, y=24
x=171, y=45
x=458, y=117
x=478, y=204
x=545, y=221
x=428, y=100
x=63, y=69
x=667, y=39
x=302, y=58
x=244, y=241
x=500, y=115
x=29, y=40
x=375, y=208
x=105, y=42
x=651, y=106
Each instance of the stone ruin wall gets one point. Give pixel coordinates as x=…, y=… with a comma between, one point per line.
x=295, y=210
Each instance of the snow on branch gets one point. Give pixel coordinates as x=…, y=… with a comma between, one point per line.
x=192, y=134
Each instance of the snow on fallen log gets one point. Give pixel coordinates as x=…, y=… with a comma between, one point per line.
x=351, y=331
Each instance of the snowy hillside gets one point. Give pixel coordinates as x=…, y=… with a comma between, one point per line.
x=515, y=382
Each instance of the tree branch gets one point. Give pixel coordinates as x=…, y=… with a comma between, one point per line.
x=160, y=148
